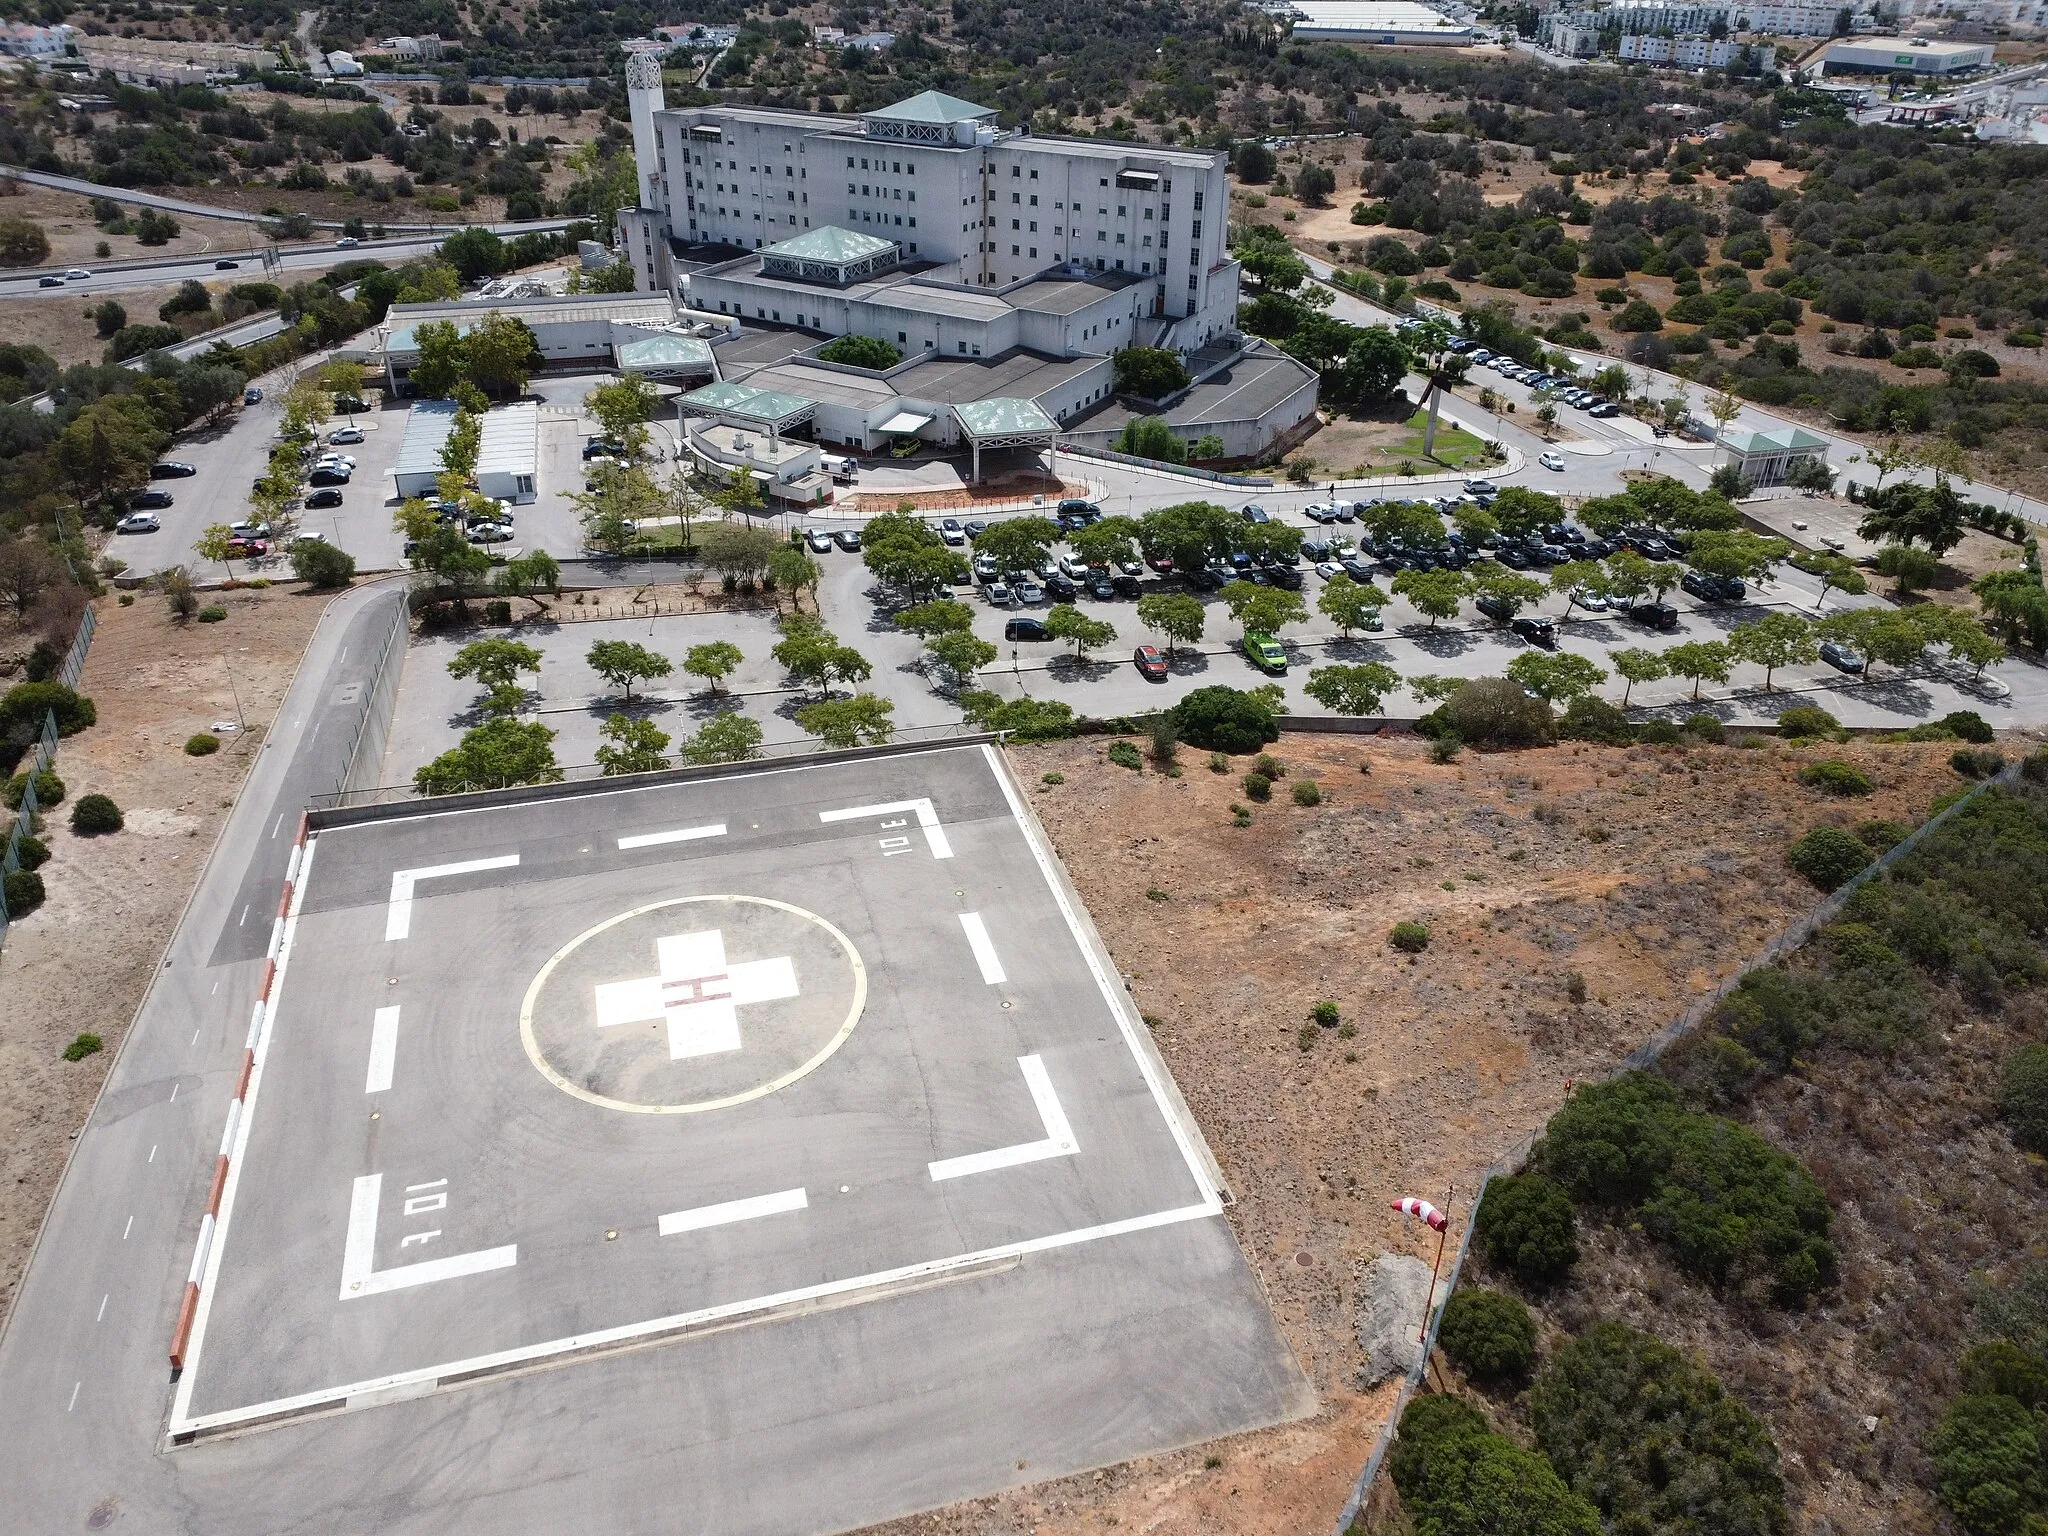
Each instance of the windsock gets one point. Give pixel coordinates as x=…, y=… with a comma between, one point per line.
x=1410, y=1206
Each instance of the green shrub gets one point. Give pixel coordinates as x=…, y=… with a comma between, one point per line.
x=1124, y=755
x=1588, y=718
x=24, y=891
x=1222, y=719
x=498, y=611
x=1659, y=733
x=201, y=744
x=2003, y=1367
x=1444, y=747
x=1457, y=1478
x=1020, y=719
x=1494, y=713
x=49, y=790
x=32, y=853
x=1828, y=857
x=322, y=565
x=2023, y=1096
x=1976, y=763
x=1307, y=792
x=1879, y=834
x=1836, y=777
x=1269, y=765
x=1257, y=787
x=1651, y=1438
x=1409, y=938
x=85, y=1045
x=25, y=704
x=1325, y=1013
x=1988, y=1465
x=94, y=815
x=212, y=613
x=1528, y=1227
x=1807, y=720
x=1052, y=778
x=1218, y=763
x=1704, y=728
x=1489, y=1335
x=1967, y=725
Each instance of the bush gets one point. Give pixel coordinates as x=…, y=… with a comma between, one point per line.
x=49, y=790
x=94, y=815
x=1307, y=792
x=1258, y=787
x=1528, y=1226
x=1124, y=755
x=24, y=890
x=1828, y=857
x=1458, y=1478
x=1704, y=728
x=1222, y=719
x=85, y=1045
x=1652, y=1438
x=212, y=613
x=26, y=703
x=1979, y=764
x=1659, y=733
x=1988, y=1465
x=1807, y=720
x=869, y=352
x=498, y=611
x=1588, y=718
x=1489, y=1335
x=1879, y=834
x=2004, y=1368
x=320, y=564
x=1967, y=725
x=1836, y=777
x=1326, y=1014
x=202, y=744
x=1491, y=712
x=1409, y=938
x=32, y=853
x=2023, y=1096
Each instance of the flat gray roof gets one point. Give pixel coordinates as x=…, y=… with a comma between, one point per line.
x=814, y=383
x=1064, y=295
x=1244, y=391
x=1016, y=374
x=752, y=348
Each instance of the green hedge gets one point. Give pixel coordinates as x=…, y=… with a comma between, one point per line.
x=1457, y=1478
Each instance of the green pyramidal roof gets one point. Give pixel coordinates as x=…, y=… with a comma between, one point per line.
x=934, y=107
x=831, y=243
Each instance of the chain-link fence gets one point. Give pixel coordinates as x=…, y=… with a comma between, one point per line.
x=1783, y=943
x=364, y=763
x=23, y=823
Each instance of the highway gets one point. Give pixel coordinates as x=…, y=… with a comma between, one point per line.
x=127, y=276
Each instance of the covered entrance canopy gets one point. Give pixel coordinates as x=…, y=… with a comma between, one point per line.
x=1005, y=424
x=741, y=405
x=905, y=424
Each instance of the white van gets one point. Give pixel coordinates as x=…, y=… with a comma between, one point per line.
x=839, y=467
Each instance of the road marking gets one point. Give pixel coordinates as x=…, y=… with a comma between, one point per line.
x=360, y=1277
x=174, y=1086
x=216, y=988
x=383, y=1050
x=398, y=916
x=127, y=1229
x=1058, y=1141
x=74, y=1395
x=680, y=835
x=103, y=1307
x=152, y=1152
x=984, y=951
x=934, y=834
x=729, y=1211
x=244, y=918
x=278, y=825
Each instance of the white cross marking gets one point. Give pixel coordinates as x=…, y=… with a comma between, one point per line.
x=697, y=992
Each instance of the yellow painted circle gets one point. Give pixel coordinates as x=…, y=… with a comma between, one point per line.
x=547, y=1069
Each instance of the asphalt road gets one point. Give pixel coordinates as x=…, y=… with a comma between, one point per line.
x=206, y=269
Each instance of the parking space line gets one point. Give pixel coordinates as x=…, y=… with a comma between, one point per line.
x=729, y=1211
x=679, y=835
x=359, y=1275
x=383, y=1050
x=984, y=951
x=1058, y=1142
x=398, y=916
x=934, y=834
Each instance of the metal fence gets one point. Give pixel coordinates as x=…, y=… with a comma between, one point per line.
x=23, y=823
x=1784, y=942
x=73, y=665
x=365, y=759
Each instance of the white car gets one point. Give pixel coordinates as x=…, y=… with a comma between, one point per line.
x=490, y=533
x=340, y=461
x=345, y=435
x=1552, y=461
x=77, y=272
x=138, y=522
x=249, y=530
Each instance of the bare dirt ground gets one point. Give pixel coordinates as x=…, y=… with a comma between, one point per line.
x=1651, y=872
x=81, y=963
x=66, y=217
x=60, y=327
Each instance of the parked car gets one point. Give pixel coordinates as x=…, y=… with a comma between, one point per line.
x=489, y=533
x=1655, y=615
x=250, y=529
x=1840, y=656
x=138, y=522
x=150, y=498
x=1027, y=590
x=1605, y=409
x=1494, y=608
x=1078, y=506
x=974, y=530
x=326, y=475
x=1252, y=512
x=1551, y=461
x=1026, y=629
x=1320, y=512
x=818, y=541
x=998, y=593
x=328, y=497
x=171, y=469
x=1284, y=576
x=1100, y=589
x=1264, y=652
x=598, y=448
x=847, y=539
x=1150, y=664
x=1702, y=586
x=1536, y=631
x=1588, y=599
x=1121, y=585
x=345, y=435
x=247, y=549
x=1207, y=579
x=1060, y=587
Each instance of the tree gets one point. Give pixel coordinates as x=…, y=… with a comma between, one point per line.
x=216, y=542
x=107, y=317
x=1313, y=184
x=869, y=352
x=1520, y=512
x=1109, y=541
x=712, y=661
x=810, y=653
x=501, y=353
x=1263, y=610
x=22, y=244
x=1700, y=660
x=1637, y=665
x=728, y=738
x=1915, y=514
x=1457, y=1478
x=623, y=407
x=1151, y=437
x=631, y=746
x=1178, y=616
x=496, y=755
x=28, y=569
x=495, y=665
x=1189, y=534
x=322, y=565
x=1224, y=719
x=2016, y=603
x=1556, y=677
x=1066, y=622
x=1270, y=543
x=1576, y=576
x=1510, y=589
x=106, y=449
x=1357, y=689
x=1528, y=1226
x=1150, y=373
x=1734, y=552
x=941, y=616
x=530, y=575
x=1019, y=544
x=1838, y=572
x=737, y=550
x=860, y=721
x=442, y=361
x=794, y=572
x=1434, y=594
x=622, y=663
x=1724, y=408
x=960, y=654
x=1811, y=475
x=474, y=253
x=1777, y=639
x=1989, y=1465
x=1253, y=163
x=1911, y=570
x=903, y=552
x=1350, y=604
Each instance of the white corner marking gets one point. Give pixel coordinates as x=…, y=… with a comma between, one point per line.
x=1059, y=1136
x=934, y=834
x=359, y=1275
x=398, y=916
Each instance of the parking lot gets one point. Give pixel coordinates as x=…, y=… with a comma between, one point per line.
x=832, y=1049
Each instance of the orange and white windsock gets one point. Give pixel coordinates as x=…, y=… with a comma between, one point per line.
x=1410, y=1206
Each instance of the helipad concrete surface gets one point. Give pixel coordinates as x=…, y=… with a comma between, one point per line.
x=805, y=1091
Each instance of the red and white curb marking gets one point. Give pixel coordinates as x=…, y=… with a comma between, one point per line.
x=189, y=1307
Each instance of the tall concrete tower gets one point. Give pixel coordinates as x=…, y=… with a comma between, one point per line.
x=643, y=98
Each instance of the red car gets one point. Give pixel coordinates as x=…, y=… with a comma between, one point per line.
x=247, y=549
x=1150, y=662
